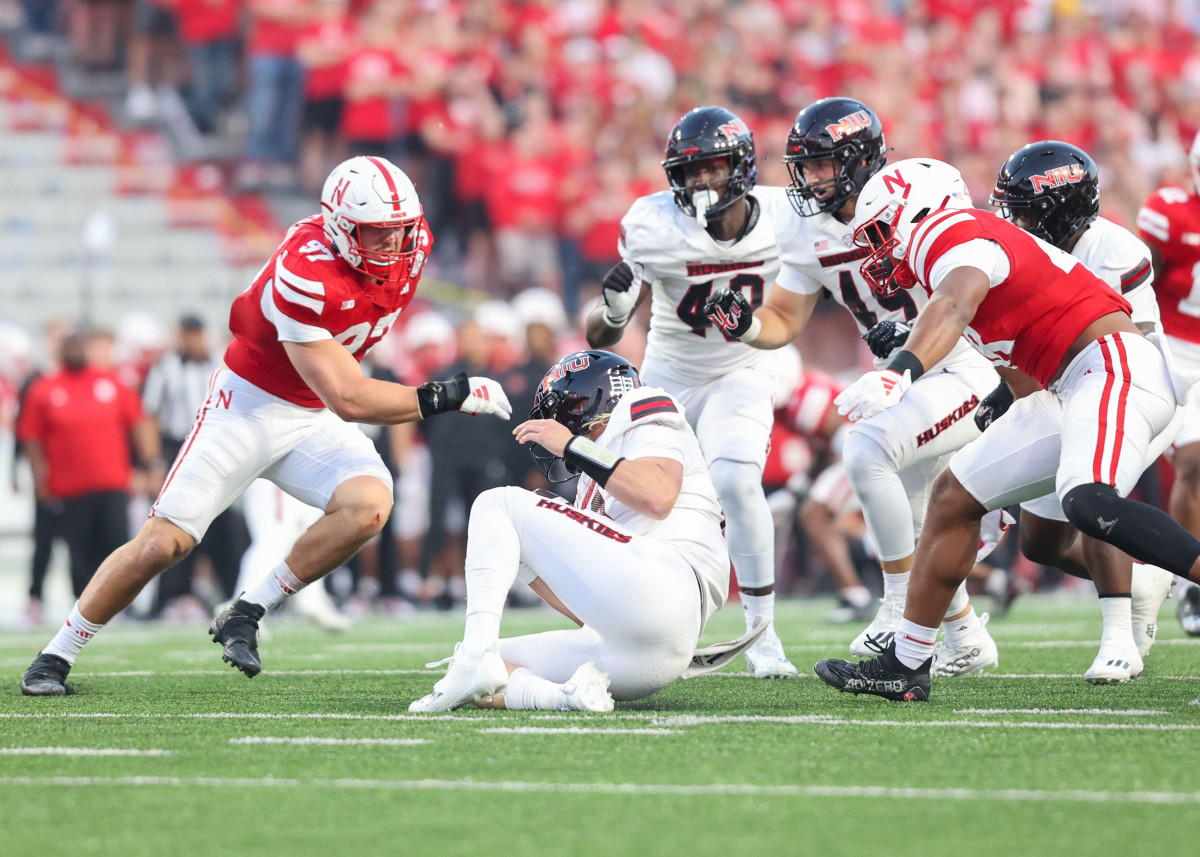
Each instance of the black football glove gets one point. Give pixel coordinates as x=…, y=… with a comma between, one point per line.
x=730, y=311
x=886, y=337
x=993, y=406
x=619, y=296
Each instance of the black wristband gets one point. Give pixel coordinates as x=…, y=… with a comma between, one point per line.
x=437, y=397
x=906, y=360
x=583, y=455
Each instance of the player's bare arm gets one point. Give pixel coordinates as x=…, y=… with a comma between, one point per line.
x=336, y=377
x=950, y=309
x=647, y=485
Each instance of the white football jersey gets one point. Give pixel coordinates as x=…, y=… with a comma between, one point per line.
x=1121, y=259
x=648, y=422
x=816, y=253
x=684, y=265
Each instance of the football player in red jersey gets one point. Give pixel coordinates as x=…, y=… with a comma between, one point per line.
x=283, y=406
x=1104, y=414
x=1169, y=223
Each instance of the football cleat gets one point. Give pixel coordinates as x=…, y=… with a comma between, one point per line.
x=1188, y=611
x=766, y=658
x=1003, y=588
x=949, y=661
x=880, y=676
x=882, y=631
x=586, y=690
x=236, y=629
x=1151, y=586
x=467, y=680
x=314, y=603
x=46, y=676
x=1114, y=665
x=846, y=612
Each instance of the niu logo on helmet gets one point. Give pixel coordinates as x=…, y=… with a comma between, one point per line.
x=847, y=125
x=578, y=364
x=1070, y=174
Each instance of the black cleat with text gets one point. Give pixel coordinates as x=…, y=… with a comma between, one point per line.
x=880, y=676
x=236, y=628
x=46, y=676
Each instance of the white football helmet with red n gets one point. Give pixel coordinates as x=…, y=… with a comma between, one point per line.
x=370, y=191
x=892, y=203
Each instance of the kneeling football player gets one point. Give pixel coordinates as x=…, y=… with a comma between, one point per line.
x=638, y=561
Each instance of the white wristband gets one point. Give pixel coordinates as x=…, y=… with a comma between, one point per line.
x=608, y=320
x=752, y=332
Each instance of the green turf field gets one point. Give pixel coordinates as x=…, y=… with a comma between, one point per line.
x=164, y=750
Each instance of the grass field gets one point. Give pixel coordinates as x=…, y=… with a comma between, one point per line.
x=164, y=750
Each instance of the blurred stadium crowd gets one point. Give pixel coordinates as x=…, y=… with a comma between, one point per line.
x=530, y=127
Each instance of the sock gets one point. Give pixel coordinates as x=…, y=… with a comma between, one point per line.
x=273, y=588
x=856, y=596
x=492, y=561
x=914, y=644
x=529, y=692
x=758, y=605
x=895, y=586
x=481, y=630
x=962, y=631
x=72, y=636
x=1115, y=612
x=959, y=602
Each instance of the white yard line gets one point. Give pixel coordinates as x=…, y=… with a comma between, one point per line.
x=135, y=673
x=78, y=751
x=573, y=730
x=1105, y=712
x=636, y=789
x=830, y=720
x=331, y=742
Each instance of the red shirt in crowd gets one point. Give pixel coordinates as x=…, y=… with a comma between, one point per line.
x=371, y=119
x=332, y=37
x=203, y=21
x=275, y=36
x=83, y=421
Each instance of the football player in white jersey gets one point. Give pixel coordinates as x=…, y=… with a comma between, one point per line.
x=713, y=230
x=638, y=561
x=1051, y=189
x=833, y=148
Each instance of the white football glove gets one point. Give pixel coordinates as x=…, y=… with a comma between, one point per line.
x=487, y=397
x=873, y=393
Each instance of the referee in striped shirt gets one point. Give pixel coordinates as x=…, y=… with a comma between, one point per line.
x=173, y=393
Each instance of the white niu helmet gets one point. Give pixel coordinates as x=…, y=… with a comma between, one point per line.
x=891, y=204
x=369, y=191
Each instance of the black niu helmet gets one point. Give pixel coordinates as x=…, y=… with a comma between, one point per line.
x=701, y=135
x=1053, y=185
x=840, y=128
x=576, y=391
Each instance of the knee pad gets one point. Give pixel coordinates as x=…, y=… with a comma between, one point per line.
x=1093, y=509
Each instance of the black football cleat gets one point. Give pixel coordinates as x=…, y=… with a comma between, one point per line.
x=236, y=628
x=46, y=676
x=880, y=676
x=1188, y=611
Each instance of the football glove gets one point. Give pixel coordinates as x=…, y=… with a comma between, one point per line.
x=886, y=337
x=993, y=406
x=619, y=295
x=729, y=310
x=873, y=393
x=486, y=397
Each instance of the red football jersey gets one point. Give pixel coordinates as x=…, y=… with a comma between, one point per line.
x=1170, y=222
x=806, y=410
x=1029, y=320
x=306, y=293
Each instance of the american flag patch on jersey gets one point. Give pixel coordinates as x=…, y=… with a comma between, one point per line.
x=1135, y=276
x=653, y=405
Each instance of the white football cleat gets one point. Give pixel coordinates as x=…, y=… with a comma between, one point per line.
x=963, y=660
x=314, y=603
x=877, y=636
x=586, y=690
x=1151, y=586
x=465, y=681
x=766, y=658
x=1115, y=664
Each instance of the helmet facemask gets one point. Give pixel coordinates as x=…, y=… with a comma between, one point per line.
x=884, y=268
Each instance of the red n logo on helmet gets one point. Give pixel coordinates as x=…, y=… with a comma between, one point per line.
x=895, y=182
x=339, y=192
